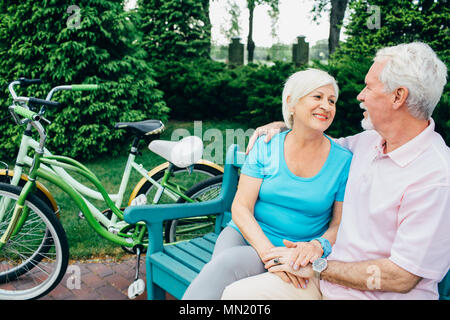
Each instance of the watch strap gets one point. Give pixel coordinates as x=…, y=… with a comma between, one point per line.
x=326, y=246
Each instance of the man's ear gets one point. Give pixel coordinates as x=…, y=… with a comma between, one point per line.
x=400, y=95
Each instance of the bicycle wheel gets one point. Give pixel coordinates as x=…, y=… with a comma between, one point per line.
x=35, y=259
x=181, y=176
x=185, y=229
x=41, y=191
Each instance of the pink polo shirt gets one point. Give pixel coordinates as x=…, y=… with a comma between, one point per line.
x=396, y=206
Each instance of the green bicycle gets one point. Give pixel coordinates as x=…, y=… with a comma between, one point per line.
x=33, y=244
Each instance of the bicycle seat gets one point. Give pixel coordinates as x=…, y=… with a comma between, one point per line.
x=181, y=153
x=142, y=128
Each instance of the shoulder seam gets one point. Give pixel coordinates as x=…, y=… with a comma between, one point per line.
x=445, y=163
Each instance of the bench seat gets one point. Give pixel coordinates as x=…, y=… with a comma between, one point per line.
x=178, y=264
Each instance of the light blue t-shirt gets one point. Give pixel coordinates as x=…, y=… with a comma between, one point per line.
x=292, y=207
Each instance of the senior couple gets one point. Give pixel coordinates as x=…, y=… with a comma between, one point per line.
x=361, y=217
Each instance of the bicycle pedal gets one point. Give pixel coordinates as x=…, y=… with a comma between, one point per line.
x=136, y=288
x=140, y=200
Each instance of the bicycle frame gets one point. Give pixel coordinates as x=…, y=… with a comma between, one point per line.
x=52, y=168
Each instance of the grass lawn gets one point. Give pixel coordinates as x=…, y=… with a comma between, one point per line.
x=84, y=242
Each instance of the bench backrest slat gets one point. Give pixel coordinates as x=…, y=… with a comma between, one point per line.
x=233, y=162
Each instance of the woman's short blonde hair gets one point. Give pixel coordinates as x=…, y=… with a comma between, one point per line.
x=300, y=84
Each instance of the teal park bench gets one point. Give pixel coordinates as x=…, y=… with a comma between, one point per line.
x=172, y=267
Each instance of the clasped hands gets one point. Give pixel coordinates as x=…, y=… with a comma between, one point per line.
x=292, y=263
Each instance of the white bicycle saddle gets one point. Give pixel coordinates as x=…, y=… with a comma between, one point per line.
x=181, y=153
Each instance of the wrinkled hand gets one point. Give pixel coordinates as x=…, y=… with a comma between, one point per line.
x=294, y=261
x=299, y=254
x=304, y=252
x=303, y=272
x=267, y=258
x=290, y=254
x=269, y=130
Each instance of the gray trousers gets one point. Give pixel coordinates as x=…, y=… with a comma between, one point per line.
x=233, y=259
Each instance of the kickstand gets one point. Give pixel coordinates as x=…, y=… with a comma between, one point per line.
x=138, y=286
x=138, y=264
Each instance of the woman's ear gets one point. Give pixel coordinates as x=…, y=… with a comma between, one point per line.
x=288, y=99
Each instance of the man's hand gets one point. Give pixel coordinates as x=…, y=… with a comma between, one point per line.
x=269, y=130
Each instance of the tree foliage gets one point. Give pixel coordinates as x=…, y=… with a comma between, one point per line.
x=175, y=29
x=37, y=40
x=400, y=21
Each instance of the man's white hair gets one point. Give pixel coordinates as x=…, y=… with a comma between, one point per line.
x=414, y=66
x=300, y=84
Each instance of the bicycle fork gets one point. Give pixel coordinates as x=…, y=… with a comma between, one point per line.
x=19, y=215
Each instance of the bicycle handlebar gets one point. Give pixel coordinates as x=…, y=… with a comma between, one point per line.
x=26, y=113
x=84, y=87
x=40, y=102
x=24, y=82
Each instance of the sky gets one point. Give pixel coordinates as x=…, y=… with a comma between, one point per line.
x=294, y=19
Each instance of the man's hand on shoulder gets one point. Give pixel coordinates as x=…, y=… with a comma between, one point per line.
x=269, y=130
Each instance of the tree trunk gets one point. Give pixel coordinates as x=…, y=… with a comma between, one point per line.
x=205, y=6
x=250, y=43
x=336, y=18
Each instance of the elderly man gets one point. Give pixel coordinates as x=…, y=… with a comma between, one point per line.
x=394, y=239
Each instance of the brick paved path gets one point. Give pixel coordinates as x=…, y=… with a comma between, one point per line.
x=99, y=280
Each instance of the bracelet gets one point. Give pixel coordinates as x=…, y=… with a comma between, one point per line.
x=326, y=246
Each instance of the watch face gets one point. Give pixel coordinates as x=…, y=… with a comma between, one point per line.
x=319, y=264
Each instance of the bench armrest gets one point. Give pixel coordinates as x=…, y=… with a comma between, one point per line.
x=158, y=213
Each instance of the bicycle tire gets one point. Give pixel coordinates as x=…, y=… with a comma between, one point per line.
x=33, y=261
x=176, y=230
x=41, y=191
x=149, y=189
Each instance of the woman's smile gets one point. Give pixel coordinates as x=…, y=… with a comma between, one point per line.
x=320, y=116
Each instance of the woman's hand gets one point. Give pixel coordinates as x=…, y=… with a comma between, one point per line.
x=299, y=254
x=301, y=273
x=304, y=252
x=266, y=257
x=269, y=130
x=274, y=256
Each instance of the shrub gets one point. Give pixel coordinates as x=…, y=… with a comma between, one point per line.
x=99, y=51
x=402, y=21
x=202, y=89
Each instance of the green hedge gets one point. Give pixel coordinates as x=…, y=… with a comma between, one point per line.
x=203, y=89
x=36, y=42
x=207, y=90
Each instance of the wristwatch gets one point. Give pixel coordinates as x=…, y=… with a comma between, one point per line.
x=318, y=266
x=326, y=246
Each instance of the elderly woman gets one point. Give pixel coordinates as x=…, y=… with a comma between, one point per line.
x=290, y=193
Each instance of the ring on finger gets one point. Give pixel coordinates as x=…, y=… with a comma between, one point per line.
x=276, y=261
